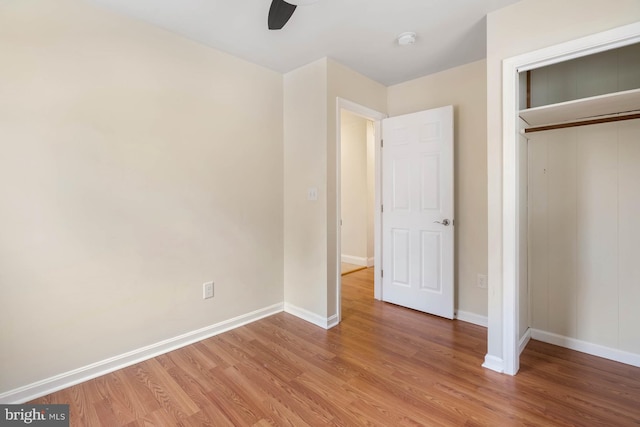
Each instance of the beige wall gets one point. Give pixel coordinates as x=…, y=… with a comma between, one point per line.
x=464, y=88
x=523, y=27
x=305, y=159
x=129, y=176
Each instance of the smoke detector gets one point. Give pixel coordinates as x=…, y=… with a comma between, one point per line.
x=407, y=38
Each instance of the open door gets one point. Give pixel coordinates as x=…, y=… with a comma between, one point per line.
x=417, y=217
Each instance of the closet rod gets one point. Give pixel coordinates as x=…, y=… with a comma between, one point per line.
x=583, y=123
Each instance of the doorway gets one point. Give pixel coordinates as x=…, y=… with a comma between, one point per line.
x=375, y=118
x=419, y=186
x=357, y=192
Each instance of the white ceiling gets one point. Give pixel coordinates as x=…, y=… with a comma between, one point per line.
x=360, y=34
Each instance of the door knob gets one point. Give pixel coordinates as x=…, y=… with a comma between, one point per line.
x=444, y=222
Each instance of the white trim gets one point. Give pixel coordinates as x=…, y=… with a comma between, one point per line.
x=525, y=340
x=376, y=117
x=377, y=217
x=332, y=321
x=468, y=317
x=493, y=363
x=94, y=370
x=355, y=260
x=588, y=45
x=614, y=104
x=510, y=223
x=587, y=347
x=595, y=43
x=359, y=110
x=316, y=319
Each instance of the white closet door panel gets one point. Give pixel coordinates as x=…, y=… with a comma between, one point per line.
x=597, y=235
x=629, y=244
x=562, y=214
x=538, y=237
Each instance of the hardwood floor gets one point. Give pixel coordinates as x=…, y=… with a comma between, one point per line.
x=383, y=365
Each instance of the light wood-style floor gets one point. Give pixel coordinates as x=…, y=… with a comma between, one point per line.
x=383, y=365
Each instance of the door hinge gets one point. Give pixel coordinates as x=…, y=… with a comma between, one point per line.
x=382, y=143
x=381, y=273
x=381, y=208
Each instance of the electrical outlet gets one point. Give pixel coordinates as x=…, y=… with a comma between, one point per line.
x=482, y=281
x=312, y=194
x=207, y=290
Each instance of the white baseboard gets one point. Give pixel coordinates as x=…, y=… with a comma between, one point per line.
x=476, y=319
x=323, y=322
x=587, y=347
x=85, y=373
x=525, y=340
x=494, y=363
x=370, y=262
x=332, y=321
x=355, y=260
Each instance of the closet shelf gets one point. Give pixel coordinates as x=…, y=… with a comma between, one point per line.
x=626, y=102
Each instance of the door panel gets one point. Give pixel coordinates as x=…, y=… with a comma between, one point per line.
x=417, y=192
x=430, y=256
x=400, y=251
x=430, y=182
x=401, y=184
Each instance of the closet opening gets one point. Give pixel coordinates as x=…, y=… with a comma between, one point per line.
x=578, y=204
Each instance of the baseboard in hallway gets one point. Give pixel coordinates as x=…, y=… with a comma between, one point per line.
x=347, y=268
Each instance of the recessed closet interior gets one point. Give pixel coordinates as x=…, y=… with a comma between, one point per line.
x=580, y=203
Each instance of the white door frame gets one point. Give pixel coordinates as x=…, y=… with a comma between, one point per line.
x=376, y=117
x=612, y=39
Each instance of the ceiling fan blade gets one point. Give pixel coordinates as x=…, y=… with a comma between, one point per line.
x=279, y=13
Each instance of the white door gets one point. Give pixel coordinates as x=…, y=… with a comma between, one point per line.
x=417, y=217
